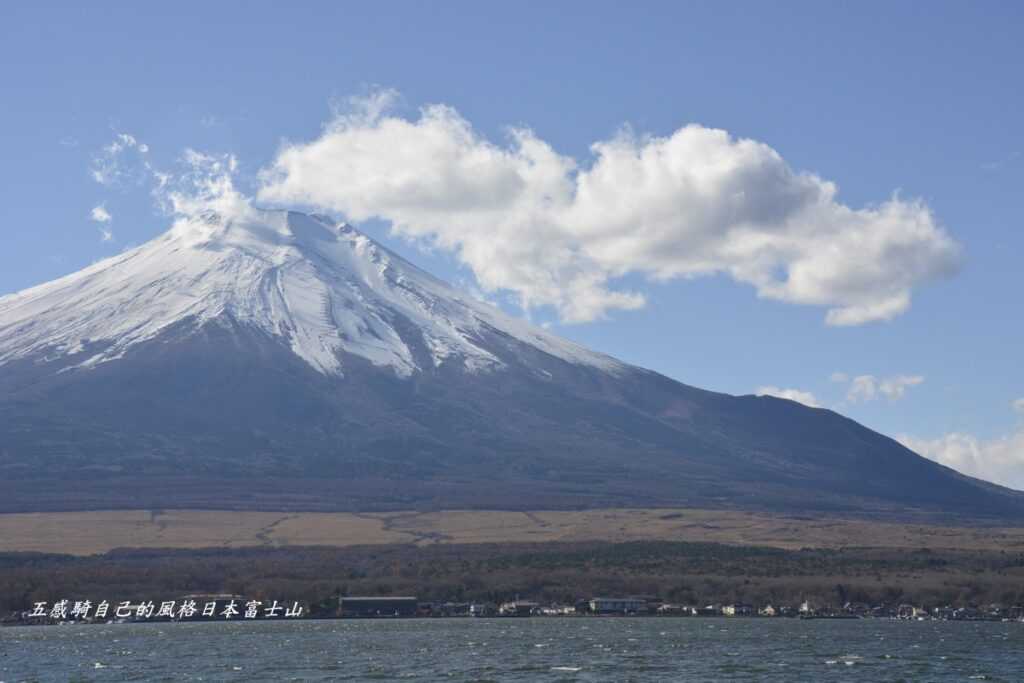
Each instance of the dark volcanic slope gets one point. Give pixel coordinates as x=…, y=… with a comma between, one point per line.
x=281, y=361
x=229, y=418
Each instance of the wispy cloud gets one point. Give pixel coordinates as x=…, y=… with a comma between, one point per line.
x=864, y=388
x=203, y=183
x=999, y=164
x=199, y=183
x=559, y=231
x=99, y=214
x=109, y=167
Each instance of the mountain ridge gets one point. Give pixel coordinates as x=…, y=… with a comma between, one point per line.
x=292, y=363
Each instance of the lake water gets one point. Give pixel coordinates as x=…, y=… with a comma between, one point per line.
x=551, y=649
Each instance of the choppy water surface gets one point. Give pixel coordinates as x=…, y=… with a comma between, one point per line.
x=582, y=649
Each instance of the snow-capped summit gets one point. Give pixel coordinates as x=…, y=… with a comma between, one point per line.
x=323, y=288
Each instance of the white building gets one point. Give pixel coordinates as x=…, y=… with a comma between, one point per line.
x=617, y=605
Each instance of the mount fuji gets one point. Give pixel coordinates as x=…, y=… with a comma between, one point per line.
x=327, y=291
x=280, y=360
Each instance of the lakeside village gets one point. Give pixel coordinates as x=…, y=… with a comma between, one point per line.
x=220, y=607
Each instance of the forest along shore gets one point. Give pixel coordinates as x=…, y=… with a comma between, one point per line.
x=672, y=578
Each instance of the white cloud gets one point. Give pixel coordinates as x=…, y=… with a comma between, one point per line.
x=559, y=232
x=895, y=387
x=100, y=214
x=200, y=184
x=839, y=377
x=865, y=388
x=1001, y=163
x=999, y=460
x=862, y=388
x=204, y=186
x=109, y=168
x=1018, y=406
x=805, y=397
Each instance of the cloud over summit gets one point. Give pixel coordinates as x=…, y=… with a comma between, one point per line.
x=557, y=231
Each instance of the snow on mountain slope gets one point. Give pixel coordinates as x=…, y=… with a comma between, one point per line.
x=323, y=288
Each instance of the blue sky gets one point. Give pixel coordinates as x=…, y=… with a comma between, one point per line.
x=877, y=98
